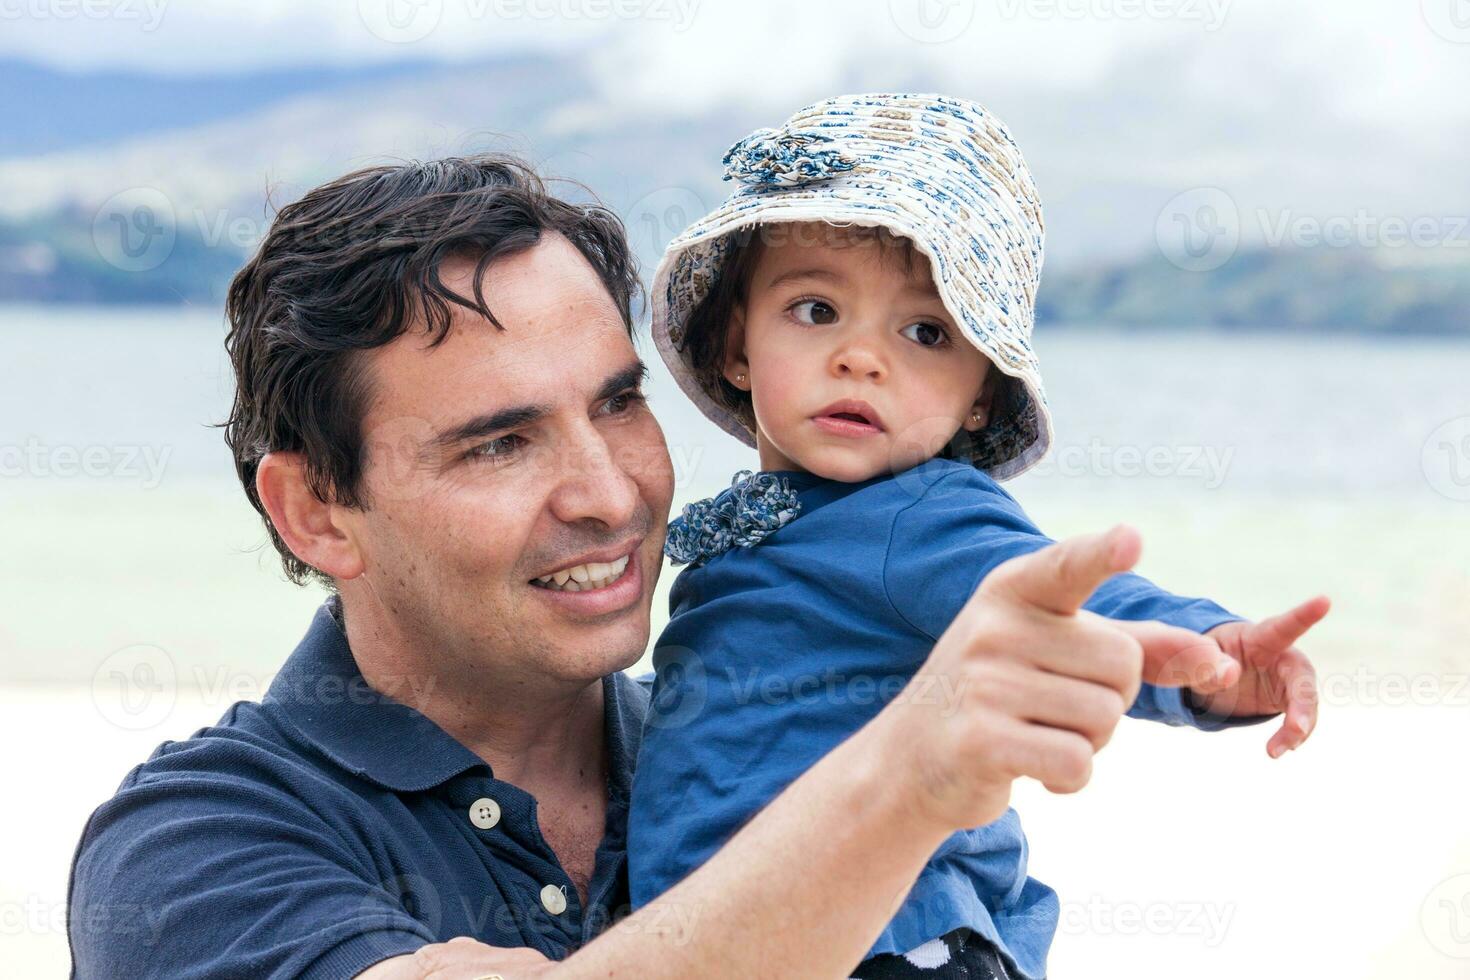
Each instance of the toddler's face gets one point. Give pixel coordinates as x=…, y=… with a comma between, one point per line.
x=853, y=365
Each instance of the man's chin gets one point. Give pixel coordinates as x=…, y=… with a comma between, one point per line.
x=586, y=652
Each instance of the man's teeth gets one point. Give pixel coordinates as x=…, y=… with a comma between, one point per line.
x=585, y=578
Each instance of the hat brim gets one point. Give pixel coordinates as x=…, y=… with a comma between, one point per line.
x=691, y=265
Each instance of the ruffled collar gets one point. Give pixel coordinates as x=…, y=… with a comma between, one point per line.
x=755, y=506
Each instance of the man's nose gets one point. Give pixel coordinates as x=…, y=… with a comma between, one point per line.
x=592, y=483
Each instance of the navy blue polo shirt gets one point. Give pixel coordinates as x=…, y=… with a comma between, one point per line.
x=329, y=827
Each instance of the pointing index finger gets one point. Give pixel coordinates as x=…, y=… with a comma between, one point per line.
x=1062, y=576
x=1280, y=632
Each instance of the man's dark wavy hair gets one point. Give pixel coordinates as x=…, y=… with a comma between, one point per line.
x=350, y=267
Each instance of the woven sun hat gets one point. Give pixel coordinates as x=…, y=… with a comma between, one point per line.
x=941, y=172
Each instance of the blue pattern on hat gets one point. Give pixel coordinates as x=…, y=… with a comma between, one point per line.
x=772, y=156
x=755, y=506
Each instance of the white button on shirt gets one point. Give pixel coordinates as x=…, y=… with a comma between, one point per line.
x=484, y=813
x=554, y=899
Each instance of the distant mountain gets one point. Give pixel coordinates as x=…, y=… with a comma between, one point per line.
x=71, y=257
x=47, y=110
x=67, y=257
x=127, y=188
x=549, y=108
x=1298, y=289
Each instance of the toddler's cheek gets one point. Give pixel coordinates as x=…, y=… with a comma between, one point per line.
x=780, y=396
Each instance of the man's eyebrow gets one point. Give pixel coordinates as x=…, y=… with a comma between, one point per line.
x=792, y=275
x=631, y=376
x=516, y=416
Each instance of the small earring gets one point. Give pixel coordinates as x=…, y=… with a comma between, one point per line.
x=739, y=379
x=976, y=417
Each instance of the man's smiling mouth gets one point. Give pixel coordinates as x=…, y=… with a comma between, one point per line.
x=584, y=578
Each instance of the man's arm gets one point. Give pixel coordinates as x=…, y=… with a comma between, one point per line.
x=204, y=865
x=812, y=879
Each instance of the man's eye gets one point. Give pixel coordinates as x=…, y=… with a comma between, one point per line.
x=498, y=448
x=618, y=404
x=926, y=334
x=814, y=312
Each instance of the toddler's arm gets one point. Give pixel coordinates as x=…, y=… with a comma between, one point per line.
x=964, y=525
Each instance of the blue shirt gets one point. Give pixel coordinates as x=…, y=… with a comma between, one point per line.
x=774, y=653
x=327, y=828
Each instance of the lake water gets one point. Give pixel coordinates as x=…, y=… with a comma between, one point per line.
x=1261, y=469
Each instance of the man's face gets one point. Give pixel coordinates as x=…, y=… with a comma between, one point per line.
x=499, y=460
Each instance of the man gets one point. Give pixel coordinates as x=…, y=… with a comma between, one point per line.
x=438, y=411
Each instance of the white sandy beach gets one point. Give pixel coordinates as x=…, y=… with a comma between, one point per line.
x=1189, y=855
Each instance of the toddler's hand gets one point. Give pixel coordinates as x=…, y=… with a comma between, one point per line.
x=1026, y=683
x=1275, y=676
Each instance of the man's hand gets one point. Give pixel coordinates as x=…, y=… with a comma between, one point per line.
x=1275, y=676
x=462, y=958
x=1035, y=686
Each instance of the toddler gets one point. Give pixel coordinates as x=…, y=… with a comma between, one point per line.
x=860, y=311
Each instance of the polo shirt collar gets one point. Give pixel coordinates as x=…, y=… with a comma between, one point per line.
x=321, y=693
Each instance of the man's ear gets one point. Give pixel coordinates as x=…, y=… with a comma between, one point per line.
x=978, y=416
x=736, y=368
x=308, y=525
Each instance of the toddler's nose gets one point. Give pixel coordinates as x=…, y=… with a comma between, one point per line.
x=859, y=360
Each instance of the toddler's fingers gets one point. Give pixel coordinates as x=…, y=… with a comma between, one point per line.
x=1176, y=657
x=1280, y=632
x=1299, y=687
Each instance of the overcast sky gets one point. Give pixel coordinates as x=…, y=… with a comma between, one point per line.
x=1399, y=61
x=1325, y=106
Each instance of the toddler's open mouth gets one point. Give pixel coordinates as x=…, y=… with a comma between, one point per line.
x=849, y=418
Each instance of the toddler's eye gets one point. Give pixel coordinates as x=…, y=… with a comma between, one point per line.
x=814, y=312
x=926, y=334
